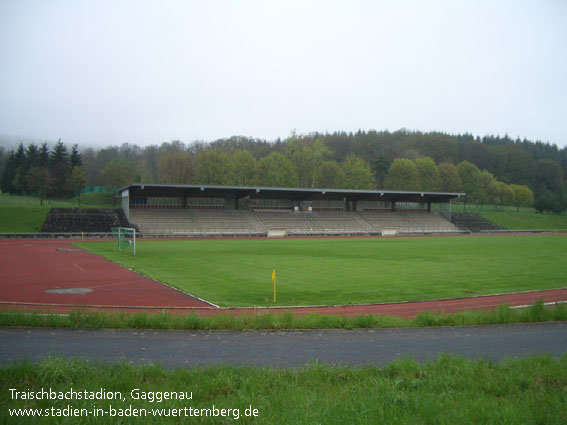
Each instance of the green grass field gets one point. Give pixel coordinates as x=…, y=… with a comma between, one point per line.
x=342, y=271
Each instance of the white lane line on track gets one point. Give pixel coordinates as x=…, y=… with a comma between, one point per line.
x=546, y=304
x=79, y=267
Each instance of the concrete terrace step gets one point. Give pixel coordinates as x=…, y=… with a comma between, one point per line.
x=190, y=221
x=473, y=222
x=83, y=220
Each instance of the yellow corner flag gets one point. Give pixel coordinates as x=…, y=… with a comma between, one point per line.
x=274, y=279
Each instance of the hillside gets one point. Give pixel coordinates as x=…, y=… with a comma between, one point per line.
x=526, y=221
x=22, y=219
x=490, y=170
x=24, y=214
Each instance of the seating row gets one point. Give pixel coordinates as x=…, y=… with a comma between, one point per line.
x=201, y=222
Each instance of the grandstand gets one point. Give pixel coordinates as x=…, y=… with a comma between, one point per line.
x=300, y=223
x=203, y=211
x=407, y=223
x=196, y=222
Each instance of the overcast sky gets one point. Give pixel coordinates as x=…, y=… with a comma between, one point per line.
x=115, y=71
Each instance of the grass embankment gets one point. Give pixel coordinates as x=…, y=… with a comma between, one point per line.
x=449, y=390
x=77, y=319
x=88, y=200
x=14, y=219
x=527, y=221
x=481, y=208
x=24, y=214
x=342, y=271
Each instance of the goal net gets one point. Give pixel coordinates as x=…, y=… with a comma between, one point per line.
x=277, y=232
x=126, y=239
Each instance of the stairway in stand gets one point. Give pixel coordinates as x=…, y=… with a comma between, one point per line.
x=472, y=222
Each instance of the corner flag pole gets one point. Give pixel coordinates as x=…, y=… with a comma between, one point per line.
x=274, y=279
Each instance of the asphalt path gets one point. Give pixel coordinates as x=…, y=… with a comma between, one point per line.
x=283, y=348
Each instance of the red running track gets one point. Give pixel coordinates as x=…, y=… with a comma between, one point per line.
x=29, y=267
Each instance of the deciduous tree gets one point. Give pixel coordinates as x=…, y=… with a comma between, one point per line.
x=450, y=179
x=307, y=155
x=176, y=168
x=523, y=196
x=549, y=175
x=119, y=172
x=547, y=201
x=330, y=175
x=357, y=173
x=487, y=182
x=278, y=171
x=213, y=166
x=77, y=180
x=40, y=180
x=470, y=176
x=428, y=174
x=403, y=175
x=500, y=193
x=244, y=167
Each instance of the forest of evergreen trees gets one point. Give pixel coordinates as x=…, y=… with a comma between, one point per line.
x=497, y=170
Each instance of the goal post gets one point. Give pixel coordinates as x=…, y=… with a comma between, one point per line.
x=277, y=232
x=126, y=238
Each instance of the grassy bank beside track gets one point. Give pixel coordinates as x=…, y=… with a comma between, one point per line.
x=21, y=219
x=448, y=390
x=88, y=200
x=527, y=221
x=79, y=319
x=24, y=214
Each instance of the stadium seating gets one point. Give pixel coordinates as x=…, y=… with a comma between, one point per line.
x=473, y=223
x=307, y=223
x=67, y=220
x=407, y=223
x=196, y=222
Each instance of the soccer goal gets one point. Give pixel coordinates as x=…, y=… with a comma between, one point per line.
x=277, y=232
x=126, y=238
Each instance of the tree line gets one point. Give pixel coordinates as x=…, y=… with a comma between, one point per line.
x=491, y=169
x=44, y=171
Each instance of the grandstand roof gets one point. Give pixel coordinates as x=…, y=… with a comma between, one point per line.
x=140, y=189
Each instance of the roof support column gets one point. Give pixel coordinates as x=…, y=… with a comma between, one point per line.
x=230, y=201
x=126, y=202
